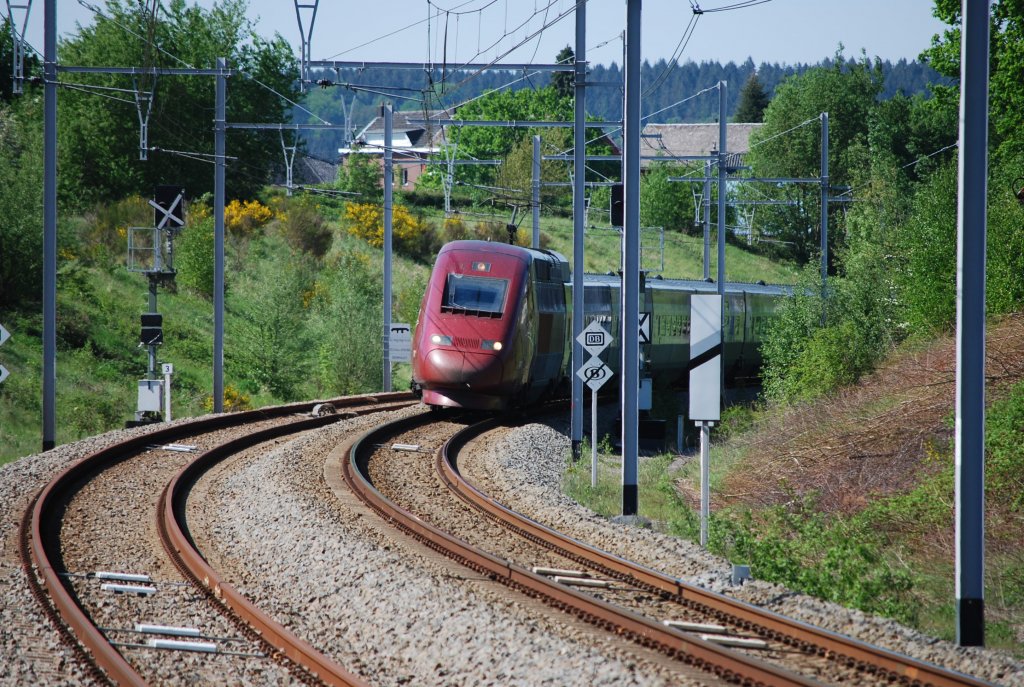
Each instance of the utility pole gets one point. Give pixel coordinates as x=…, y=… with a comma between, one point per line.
x=389, y=185
x=970, y=326
x=578, y=226
x=219, y=163
x=707, y=220
x=824, y=199
x=50, y=225
x=630, y=305
x=536, y=193
x=306, y=38
x=723, y=190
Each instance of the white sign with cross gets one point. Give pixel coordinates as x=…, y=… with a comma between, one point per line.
x=645, y=327
x=168, y=213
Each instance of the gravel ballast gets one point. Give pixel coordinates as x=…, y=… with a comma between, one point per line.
x=327, y=568
x=523, y=468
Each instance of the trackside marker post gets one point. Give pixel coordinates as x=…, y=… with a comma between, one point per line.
x=594, y=373
x=705, y=387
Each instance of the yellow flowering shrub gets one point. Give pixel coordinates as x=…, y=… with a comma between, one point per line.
x=245, y=218
x=366, y=221
x=234, y=401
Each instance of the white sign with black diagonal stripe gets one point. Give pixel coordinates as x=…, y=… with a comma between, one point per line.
x=705, y=358
x=4, y=335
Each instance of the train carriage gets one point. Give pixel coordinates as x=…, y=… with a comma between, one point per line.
x=494, y=327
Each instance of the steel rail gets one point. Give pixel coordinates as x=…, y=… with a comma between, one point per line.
x=807, y=638
x=40, y=551
x=723, y=663
x=316, y=668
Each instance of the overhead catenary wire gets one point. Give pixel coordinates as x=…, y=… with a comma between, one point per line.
x=95, y=10
x=735, y=6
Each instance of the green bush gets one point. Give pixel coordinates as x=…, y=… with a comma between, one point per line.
x=830, y=558
x=103, y=237
x=927, y=277
x=194, y=257
x=1004, y=459
x=305, y=229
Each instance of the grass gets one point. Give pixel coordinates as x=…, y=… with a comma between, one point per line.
x=885, y=552
x=683, y=255
x=99, y=361
x=658, y=504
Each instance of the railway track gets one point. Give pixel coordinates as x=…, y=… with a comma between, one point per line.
x=732, y=641
x=135, y=492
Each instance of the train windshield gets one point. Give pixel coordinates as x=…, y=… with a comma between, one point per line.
x=478, y=295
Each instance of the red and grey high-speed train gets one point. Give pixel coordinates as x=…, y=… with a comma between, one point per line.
x=495, y=327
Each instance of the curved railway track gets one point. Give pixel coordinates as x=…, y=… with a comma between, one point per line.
x=70, y=598
x=631, y=600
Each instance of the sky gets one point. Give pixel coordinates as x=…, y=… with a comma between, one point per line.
x=783, y=31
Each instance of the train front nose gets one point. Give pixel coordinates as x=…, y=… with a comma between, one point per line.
x=450, y=368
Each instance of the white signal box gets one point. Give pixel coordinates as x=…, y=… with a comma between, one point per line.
x=400, y=342
x=150, y=395
x=594, y=339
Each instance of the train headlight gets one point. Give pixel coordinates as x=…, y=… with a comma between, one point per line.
x=441, y=340
x=488, y=345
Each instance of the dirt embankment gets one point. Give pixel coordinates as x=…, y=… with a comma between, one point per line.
x=873, y=438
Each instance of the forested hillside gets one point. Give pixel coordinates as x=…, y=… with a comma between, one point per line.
x=671, y=84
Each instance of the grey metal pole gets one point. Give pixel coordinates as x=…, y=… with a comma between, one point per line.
x=824, y=199
x=970, y=326
x=535, y=202
x=707, y=220
x=152, y=347
x=579, y=177
x=50, y=225
x=593, y=438
x=218, y=236
x=630, y=306
x=389, y=186
x=723, y=192
x=705, y=481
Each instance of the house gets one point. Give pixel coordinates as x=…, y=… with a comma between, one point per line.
x=412, y=144
x=680, y=140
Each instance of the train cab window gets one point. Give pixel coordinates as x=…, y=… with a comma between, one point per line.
x=474, y=295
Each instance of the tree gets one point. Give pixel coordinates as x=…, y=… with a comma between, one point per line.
x=665, y=203
x=100, y=136
x=272, y=342
x=361, y=173
x=1006, y=66
x=789, y=145
x=753, y=101
x=564, y=82
x=21, y=177
x=497, y=142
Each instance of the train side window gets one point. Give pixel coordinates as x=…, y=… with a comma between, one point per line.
x=474, y=295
